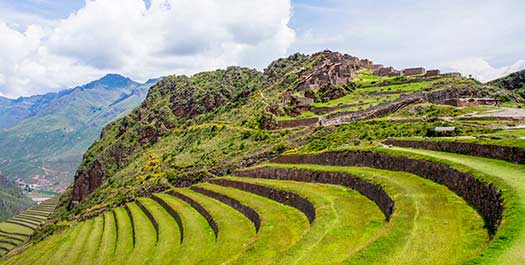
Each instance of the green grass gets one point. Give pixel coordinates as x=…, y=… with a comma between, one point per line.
x=512, y=138
x=345, y=222
x=124, y=245
x=409, y=87
x=236, y=232
x=430, y=224
x=509, y=244
x=199, y=238
x=62, y=249
x=13, y=228
x=77, y=247
x=40, y=251
x=281, y=226
x=108, y=241
x=145, y=237
x=169, y=235
x=92, y=245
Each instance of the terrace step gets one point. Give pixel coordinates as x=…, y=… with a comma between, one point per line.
x=145, y=236
x=281, y=226
x=169, y=240
x=108, y=241
x=198, y=237
x=124, y=235
x=93, y=241
x=236, y=233
x=513, y=175
x=430, y=224
x=346, y=221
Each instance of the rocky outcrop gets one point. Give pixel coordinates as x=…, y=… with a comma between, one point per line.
x=483, y=196
x=280, y=196
x=508, y=153
x=370, y=190
x=87, y=181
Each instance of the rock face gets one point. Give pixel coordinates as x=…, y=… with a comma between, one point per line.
x=86, y=181
x=484, y=197
x=508, y=153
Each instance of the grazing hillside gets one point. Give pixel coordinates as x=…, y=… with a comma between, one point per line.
x=189, y=129
x=46, y=143
x=514, y=82
x=307, y=162
x=12, y=199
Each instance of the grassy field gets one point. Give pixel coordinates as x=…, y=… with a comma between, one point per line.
x=430, y=225
x=511, y=248
x=345, y=222
x=236, y=232
x=281, y=226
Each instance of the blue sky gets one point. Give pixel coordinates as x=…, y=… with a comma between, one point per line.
x=50, y=45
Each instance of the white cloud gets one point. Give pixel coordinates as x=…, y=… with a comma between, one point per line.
x=483, y=71
x=432, y=34
x=124, y=36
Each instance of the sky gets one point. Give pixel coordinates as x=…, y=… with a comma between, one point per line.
x=50, y=45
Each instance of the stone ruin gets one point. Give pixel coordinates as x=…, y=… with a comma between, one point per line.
x=464, y=102
x=336, y=69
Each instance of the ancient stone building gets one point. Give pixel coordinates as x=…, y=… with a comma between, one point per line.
x=431, y=73
x=336, y=69
x=414, y=71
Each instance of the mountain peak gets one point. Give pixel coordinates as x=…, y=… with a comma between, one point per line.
x=111, y=81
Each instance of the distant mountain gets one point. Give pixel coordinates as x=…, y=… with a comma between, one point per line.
x=43, y=137
x=12, y=199
x=514, y=82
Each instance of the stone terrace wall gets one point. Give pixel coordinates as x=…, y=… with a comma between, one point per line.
x=173, y=214
x=281, y=196
x=199, y=209
x=247, y=211
x=132, y=224
x=151, y=219
x=298, y=123
x=485, y=197
x=508, y=153
x=370, y=190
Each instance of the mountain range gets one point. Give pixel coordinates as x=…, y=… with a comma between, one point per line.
x=43, y=137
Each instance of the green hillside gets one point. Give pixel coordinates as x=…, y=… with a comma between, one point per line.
x=12, y=199
x=51, y=142
x=318, y=159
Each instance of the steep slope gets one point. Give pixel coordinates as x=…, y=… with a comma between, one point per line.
x=189, y=129
x=514, y=82
x=12, y=199
x=46, y=148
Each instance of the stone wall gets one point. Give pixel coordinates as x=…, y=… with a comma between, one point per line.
x=151, y=219
x=173, y=214
x=370, y=190
x=280, y=196
x=199, y=209
x=247, y=211
x=507, y=153
x=484, y=197
x=132, y=224
x=298, y=123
